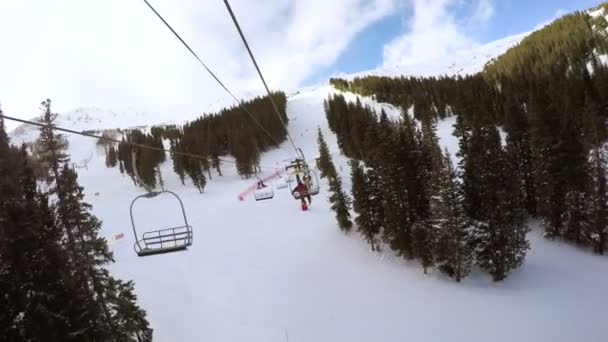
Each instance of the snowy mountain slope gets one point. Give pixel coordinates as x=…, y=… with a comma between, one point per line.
x=463, y=62
x=96, y=118
x=265, y=271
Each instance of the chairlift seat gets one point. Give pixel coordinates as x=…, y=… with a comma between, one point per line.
x=313, y=186
x=155, y=251
x=263, y=194
x=281, y=183
x=163, y=240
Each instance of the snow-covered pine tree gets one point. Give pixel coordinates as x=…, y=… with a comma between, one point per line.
x=50, y=145
x=518, y=138
x=453, y=249
x=38, y=301
x=145, y=168
x=216, y=163
x=431, y=153
x=371, y=143
x=340, y=204
x=513, y=215
x=422, y=231
x=130, y=319
x=365, y=205
x=124, y=157
x=462, y=130
x=161, y=182
x=396, y=180
x=499, y=228
x=90, y=259
x=598, y=228
x=576, y=218
x=88, y=252
x=195, y=171
x=326, y=166
x=597, y=234
x=179, y=160
x=427, y=181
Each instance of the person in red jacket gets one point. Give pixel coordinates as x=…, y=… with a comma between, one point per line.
x=302, y=190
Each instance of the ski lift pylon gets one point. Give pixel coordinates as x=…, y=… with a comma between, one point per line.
x=162, y=241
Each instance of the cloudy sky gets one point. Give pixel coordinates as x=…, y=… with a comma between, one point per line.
x=116, y=54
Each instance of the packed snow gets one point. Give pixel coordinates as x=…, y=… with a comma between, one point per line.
x=265, y=271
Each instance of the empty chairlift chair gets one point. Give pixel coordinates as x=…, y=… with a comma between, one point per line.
x=281, y=183
x=161, y=241
x=263, y=193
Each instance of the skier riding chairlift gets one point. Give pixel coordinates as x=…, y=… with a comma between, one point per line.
x=302, y=189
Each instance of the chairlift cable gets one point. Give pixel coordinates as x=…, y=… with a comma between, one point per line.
x=278, y=144
x=98, y=137
x=255, y=63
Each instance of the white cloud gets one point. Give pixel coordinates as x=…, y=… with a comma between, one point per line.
x=435, y=31
x=483, y=12
x=117, y=54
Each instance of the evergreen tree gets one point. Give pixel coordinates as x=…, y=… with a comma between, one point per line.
x=38, y=302
x=423, y=242
x=598, y=228
x=577, y=217
x=195, y=171
x=88, y=252
x=111, y=157
x=326, y=166
x=340, y=204
x=453, y=250
x=365, y=205
x=598, y=194
x=546, y=93
x=432, y=157
x=51, y=145
x=575, y=172
x=518, y=145
x=179, y=161
x=160, y=178
x=89, y=260
x=462, y=131
x=216, y=163
x=130, y=321
x=499, y=229
x=371, y=143
x=399, y=166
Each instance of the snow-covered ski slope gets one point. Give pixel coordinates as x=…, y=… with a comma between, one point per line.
x=265, y=271
x=462, y=62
